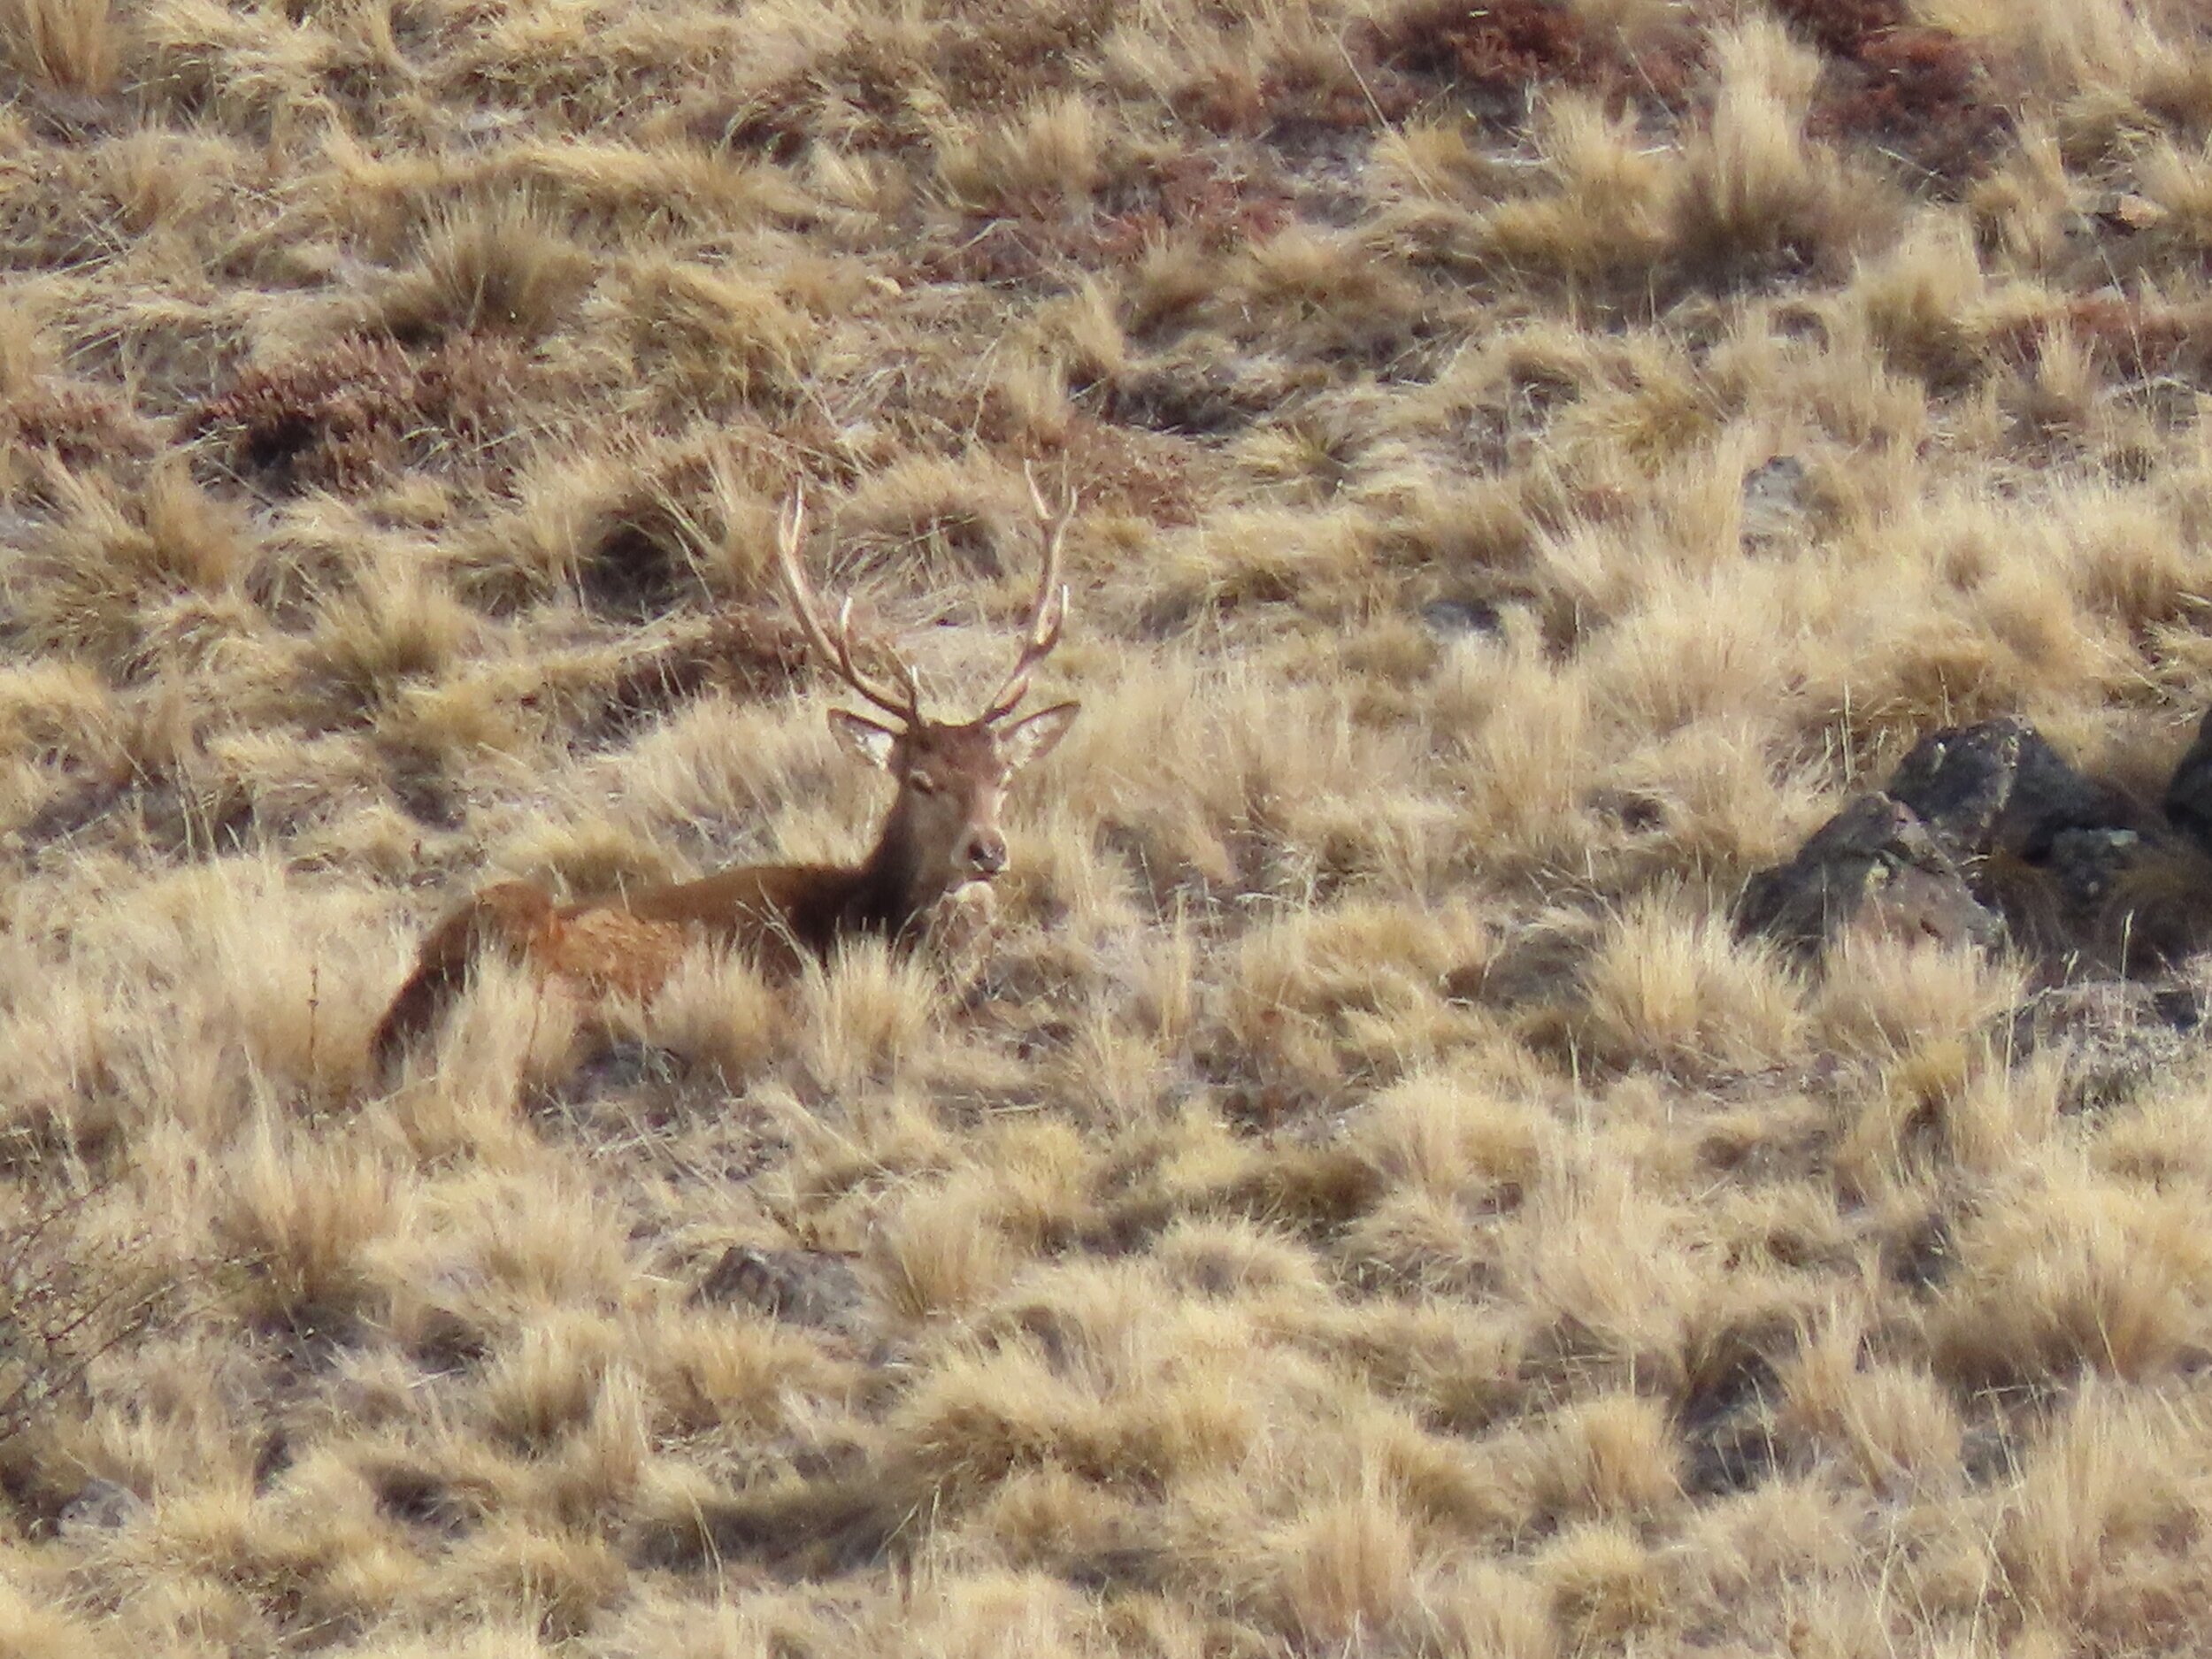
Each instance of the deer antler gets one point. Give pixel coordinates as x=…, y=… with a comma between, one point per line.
x=1048, y=613
x=903, y=699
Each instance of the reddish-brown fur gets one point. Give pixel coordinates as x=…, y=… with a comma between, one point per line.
x=941, y=833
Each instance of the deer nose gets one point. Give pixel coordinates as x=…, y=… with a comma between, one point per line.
x=986, y=855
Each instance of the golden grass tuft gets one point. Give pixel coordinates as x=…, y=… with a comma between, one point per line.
x=547, y=1385
x=1603, y=1585
x=865, y=1015
x=40, y=1633
x=96, y=578
x=943, y=1259
x=1668, y=987
x=1347, y=1572
x=717, y=1013
x=715, y=336
x=500, y=263
x=1047, y=158
x=67, y=46
x=1614, y=1458
x=367, y=646
x=2083, y=1550
x=1890, y=1428
x=301, y=1224
x=2094, y=1279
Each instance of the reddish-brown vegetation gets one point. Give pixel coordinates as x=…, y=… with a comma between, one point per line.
x=1843, y=27
x=1190, y=192
x=1921, y=95
x=2133, y=338
x=866, y=92
x=749, y=651
x=1498, y=49
x=350, y=415
x=78, y=425
x=1500, y=56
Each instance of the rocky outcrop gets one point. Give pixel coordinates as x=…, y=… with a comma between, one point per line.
x=2189, y=796
x=1988, y=821
x=2000, y=787
x=1874, y=868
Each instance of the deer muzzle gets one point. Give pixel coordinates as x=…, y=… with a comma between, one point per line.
x=985, y=855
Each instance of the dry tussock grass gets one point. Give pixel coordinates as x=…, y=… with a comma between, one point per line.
x=1360, y=1195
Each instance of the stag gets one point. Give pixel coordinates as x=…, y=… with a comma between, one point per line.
x=940, y=835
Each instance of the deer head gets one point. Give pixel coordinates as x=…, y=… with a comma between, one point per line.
x=943, y=830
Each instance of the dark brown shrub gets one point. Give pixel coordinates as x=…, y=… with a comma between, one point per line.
x=1001, y=53
x=1842, y=28
x=751, y=651
x=78, y=425
x=1290, y=101
x=1186, y=192
x=988, y=57
x=348, y=417
x=1125, y=471
x=1921, y=95
x=1497, y=54
x=2132, y=338
x=1498, y=48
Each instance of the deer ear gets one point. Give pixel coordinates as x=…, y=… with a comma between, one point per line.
x=1033, y=736
x=872, y=742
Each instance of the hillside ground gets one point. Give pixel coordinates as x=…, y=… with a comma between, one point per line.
x=1537, y=461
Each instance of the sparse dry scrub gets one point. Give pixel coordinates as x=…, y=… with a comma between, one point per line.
x=1361, y=1196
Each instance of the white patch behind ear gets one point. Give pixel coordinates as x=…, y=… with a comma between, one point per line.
x=872, y=742
x=1031, y=737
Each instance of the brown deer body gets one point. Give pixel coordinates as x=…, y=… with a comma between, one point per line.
x=940, y=835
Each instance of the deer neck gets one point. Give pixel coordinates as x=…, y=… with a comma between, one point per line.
x=889, y=890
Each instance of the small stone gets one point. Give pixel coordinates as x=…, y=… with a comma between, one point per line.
x=103, y=1506
x=1775, y=499
x=810, y=1287
x=1460, y=618
x=2123, y=212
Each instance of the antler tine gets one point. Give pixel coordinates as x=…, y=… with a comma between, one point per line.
x=908, y=703
x=836, y=651
x=1048, y=613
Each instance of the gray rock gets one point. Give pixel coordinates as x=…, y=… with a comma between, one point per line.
x=1958, y=780
x=1876, y=870
x=103, y=1506
x=2090, y=863
x=1776, y=500
x=2189, y=796
x=1460, y=618
x=2081, y=870
x=1998, y=787
x=810, y=1287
